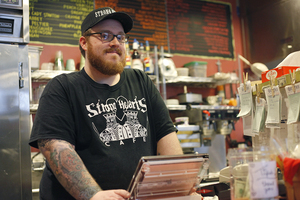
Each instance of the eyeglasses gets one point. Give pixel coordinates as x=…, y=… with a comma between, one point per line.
x=108, y=37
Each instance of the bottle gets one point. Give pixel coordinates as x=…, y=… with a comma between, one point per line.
x=142, y=51
x=220, y=94
x=148, y=63
x=59, y=61
x=128, y=56
x=136, y=57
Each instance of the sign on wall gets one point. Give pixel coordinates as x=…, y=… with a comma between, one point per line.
x=201, y=28
x=150, y=23
x=57, y=21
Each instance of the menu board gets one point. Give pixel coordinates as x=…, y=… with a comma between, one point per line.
x=57, y=21
x=149, y=16
x=194, y=27
x=200, y=28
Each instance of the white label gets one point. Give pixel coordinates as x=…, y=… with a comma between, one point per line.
x=281, y=81
x=246, y=99
x=293, y=102
x=259, y=118
x=263, y=179
x=274, y=105
x=271, y=73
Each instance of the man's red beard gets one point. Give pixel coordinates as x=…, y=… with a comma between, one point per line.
x=103, y=66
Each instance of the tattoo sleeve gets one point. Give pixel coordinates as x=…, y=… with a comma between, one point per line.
x=69, y=168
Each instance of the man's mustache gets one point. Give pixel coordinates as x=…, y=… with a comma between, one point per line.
x=114, y=50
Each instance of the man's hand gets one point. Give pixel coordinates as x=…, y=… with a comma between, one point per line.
x=111, y=195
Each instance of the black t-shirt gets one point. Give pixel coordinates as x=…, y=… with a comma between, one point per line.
x=110, y=126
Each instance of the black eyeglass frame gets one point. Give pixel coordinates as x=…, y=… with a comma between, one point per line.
x=114, y=36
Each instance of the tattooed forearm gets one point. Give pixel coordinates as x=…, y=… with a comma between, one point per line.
x=69, y=168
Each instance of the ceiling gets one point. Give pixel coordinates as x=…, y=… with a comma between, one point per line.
x=270, y=29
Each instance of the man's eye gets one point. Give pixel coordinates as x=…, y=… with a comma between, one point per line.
x=120, y=37
x=105, y=36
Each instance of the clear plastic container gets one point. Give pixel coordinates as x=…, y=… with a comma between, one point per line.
x=197, y=68
x=253, y=174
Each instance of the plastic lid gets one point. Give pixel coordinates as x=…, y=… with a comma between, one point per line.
x=195, y=63
x=59, y=54
x=187, y=127
x=135, y=44
x=141, y=46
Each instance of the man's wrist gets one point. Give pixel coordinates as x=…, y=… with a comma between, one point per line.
x=89, y=192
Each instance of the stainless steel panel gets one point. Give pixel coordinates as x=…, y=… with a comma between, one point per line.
x=15, y=165
x=17, y=24
x=216, y=152
x=20, y=23
x=24, y=128
x=26, y=21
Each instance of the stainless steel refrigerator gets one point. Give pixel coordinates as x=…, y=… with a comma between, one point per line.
x=15, y=162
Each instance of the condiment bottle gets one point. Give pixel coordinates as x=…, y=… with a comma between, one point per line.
x=136, y=57
x=142, y=51
x=148, y=64
x=128, y=56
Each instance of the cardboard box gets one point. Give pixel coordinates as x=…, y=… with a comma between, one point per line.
x=34, y=52
x=277, y=72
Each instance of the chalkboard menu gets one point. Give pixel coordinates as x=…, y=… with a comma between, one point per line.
x=200, y=28
x=150, y=23
x=57, y=21
x=194, y=27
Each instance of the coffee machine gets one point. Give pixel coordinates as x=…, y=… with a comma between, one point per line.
x=215, y=123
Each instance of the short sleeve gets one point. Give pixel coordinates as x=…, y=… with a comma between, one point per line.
x=54, y=118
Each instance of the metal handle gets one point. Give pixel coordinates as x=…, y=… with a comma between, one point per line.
x=232, y=123
x=21, y=79
x=37, y=168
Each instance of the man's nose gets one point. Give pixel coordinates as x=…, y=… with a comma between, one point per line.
x=114, y=41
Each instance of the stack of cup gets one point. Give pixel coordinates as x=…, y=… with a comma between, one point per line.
x=70, y=66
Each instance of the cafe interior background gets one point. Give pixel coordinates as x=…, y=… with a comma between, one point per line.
x=263, y=31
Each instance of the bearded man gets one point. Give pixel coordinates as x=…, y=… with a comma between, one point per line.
x=94, y=125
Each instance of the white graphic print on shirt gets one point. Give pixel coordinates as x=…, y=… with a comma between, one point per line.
x=114, y=131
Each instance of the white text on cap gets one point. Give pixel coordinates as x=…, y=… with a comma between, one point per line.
x=104, y=12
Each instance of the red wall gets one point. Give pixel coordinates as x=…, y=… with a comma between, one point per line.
x=48, y=55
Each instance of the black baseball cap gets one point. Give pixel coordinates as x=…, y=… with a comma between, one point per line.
x=100, y=14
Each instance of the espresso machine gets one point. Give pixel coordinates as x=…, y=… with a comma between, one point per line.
x=215, y=123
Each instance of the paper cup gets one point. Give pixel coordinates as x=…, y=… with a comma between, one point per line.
x=70, y=66
x=47, y=66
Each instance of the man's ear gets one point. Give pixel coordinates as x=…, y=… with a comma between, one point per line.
x=82, y=41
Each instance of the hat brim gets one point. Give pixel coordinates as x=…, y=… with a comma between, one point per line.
x=123, y=18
